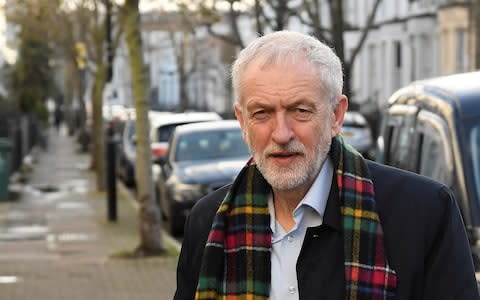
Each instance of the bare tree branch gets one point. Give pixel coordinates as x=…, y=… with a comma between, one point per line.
x=365, y=30
x=312, y=8
x=258, y=16
x=234, y=25
x=226, y=38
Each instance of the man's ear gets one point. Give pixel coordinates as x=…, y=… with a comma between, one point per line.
x=239, y=116
x=338, y=114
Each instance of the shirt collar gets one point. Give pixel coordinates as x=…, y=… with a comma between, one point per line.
x=316, y=197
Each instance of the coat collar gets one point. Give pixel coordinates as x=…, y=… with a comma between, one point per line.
x=332, y=216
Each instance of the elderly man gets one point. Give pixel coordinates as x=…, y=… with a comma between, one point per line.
x=308, y=217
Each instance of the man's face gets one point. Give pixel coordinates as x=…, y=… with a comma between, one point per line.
x=286, y=121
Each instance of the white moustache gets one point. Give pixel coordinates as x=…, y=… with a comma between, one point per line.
x=293, y=146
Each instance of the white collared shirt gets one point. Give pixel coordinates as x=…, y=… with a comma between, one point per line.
x=286, y=246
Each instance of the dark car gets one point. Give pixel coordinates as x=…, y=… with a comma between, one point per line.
x=127, y=149
x=432, y=127
x=201, y=158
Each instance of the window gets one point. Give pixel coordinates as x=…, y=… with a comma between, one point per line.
x=403, y=142
x=460, y=53
x=397, y=67
x=164, y=132
x=425, y=60
x=402, y=153
x=435, y=158
x=398, y=55
x=214, y=144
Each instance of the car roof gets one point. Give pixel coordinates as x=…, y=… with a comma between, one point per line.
x=152, y=114
x=175, y=118
x=354, y=118
x=206, y=126
x=463, y=89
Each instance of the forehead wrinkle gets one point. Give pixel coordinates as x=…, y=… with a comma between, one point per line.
x=278, y=86
x=299, y=92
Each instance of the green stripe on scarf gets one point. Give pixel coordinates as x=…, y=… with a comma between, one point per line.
x=236, y=260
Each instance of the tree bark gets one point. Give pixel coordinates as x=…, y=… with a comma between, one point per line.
x=149, y=213
x=97, y=128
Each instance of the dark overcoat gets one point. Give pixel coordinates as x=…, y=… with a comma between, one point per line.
x=425, y=242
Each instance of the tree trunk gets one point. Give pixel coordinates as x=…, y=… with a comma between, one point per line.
x=149, y=214
x=347, y=88
x=184, y=98
x=258, y=21
x=97, y=128
x=182, y=72
x=336, y=13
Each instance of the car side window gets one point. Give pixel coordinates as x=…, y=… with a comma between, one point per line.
x=164, y=132
x=403, y=141
x=435, y=159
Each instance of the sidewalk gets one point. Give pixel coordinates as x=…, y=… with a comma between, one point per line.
x=56, y=242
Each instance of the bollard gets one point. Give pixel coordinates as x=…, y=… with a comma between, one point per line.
x=111, y=175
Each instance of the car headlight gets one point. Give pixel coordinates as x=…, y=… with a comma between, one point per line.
x=187, y=192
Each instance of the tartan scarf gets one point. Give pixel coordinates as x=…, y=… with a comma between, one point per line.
x=236, y=260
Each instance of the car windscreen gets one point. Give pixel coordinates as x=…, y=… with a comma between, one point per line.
x=209, y=145
x=165, y=132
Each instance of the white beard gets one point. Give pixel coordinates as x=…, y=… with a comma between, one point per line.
x=298, y=173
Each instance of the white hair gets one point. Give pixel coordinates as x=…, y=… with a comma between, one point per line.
x=278, y=46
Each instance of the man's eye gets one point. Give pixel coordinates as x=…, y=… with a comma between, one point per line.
x=259, y=114
x=303, y=114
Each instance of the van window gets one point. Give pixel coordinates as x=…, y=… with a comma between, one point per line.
x=435, y=158
x=403, y=143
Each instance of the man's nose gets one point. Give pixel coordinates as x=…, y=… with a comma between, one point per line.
x=282, y=132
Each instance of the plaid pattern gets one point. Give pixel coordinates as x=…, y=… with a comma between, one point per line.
x=236, y=260
x=367, y=274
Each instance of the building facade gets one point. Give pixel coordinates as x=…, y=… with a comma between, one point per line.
x=409, y=40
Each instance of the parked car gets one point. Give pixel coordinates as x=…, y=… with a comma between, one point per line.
x=432, y=127
x=161, y=126
x=201, y=158
x=356, y=132
x=126, y=150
